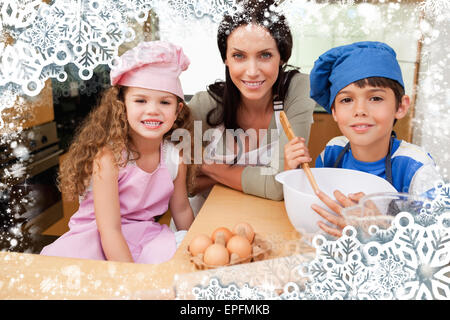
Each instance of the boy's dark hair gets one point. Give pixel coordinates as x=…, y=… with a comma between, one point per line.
x=382, y=82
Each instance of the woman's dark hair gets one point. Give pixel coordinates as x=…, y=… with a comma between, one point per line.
x=228, y=96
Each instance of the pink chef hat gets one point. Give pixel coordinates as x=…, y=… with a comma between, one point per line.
x=152, y=65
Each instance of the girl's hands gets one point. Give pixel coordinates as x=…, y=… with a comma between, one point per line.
x=337, y=219
x=295, y=153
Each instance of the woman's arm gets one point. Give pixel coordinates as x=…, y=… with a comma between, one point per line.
x=107, y=207
x=203, y=182
x=200, y=104
x=179, y=204
x=226, y=174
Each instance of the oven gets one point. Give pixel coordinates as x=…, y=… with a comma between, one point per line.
x=30, y=200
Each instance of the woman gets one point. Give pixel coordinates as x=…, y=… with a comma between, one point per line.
x=255, y=45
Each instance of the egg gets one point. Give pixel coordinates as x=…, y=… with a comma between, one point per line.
x=199, y=244
x=243, y=228
x=239, y=245
x=216, y=255
x=226, y=232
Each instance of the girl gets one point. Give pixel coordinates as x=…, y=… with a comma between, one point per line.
x=124, y=166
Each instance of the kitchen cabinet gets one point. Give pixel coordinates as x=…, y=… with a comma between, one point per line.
x=69, y=208
x=323, y=130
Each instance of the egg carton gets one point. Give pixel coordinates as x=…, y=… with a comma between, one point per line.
x=261, y=249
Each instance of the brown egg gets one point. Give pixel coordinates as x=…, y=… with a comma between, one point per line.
x=226, y=232
x=244, y=228
x=216, y=255
x=239, y=245
x=199, y=244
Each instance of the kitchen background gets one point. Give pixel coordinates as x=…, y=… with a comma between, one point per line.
x=417, y=30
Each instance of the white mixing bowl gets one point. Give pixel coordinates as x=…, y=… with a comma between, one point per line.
x=299, y=196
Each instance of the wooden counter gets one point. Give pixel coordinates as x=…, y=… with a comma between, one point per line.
x=29, y=276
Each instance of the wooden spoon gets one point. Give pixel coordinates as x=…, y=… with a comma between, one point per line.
x=290, y=134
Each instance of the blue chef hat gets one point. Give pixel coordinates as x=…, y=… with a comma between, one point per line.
x=340, y=66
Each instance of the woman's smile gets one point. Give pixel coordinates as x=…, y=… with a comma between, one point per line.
x=253, y=85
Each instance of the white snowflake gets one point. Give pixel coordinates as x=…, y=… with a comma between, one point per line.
x=338, y=271
x=17, y=170
x=43, y=34
x=435, y=7
x=73, y=274
x=216, y=291
x=426, y=252
x=48, y=284
x=18, y=14
x=86, y=33
x=441, y=202
x=8, y=98
x=193, y=10
x=414, y=264
x=21, y=152
x=291, y=291
x=346, y=2
x=390, y=274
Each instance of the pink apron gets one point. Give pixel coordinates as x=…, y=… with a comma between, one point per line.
x=142, y=196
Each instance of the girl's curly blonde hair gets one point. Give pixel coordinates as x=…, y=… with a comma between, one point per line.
x=107, y=125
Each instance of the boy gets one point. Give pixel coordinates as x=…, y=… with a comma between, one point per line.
x=361, y=85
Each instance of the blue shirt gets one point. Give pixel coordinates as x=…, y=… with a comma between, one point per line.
x=413, y=169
